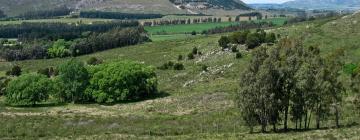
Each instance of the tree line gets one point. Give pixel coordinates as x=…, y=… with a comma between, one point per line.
x=117, y=15
x=181, y=21
x=251, y=40
x=54, y=31
x=243, y=25
x=76, y=83
x=118, y=37
x=289, y=82
x=45, y=14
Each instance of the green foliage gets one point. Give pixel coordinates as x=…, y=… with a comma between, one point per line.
x=73, y=79
x=128, y=81
x=3, y=84
x=179, y=66
x=270, y=38
x=191, y=56
x=195, y=51
x=238, y=55
x=224, y=41
x=29, y=89
x=180, y=57
x=204, y=67
x=167, y=65
x=234, y=49
x=15, y=71
x=290, y=77
x=94, y=61
x=253, y=40
x=49, y=72
x=59, y=49
x=193, y=33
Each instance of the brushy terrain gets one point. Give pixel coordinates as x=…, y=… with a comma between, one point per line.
x=194, y=104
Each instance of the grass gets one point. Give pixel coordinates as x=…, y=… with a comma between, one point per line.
x=187, y=28
x=198, y=105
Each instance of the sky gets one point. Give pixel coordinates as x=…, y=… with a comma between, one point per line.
x=264, y=1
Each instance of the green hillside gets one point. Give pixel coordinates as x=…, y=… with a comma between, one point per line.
x=194, y=105
x=130, y=6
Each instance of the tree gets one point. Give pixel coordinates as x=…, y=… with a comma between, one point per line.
x=15, y=71
x=252, y=41
x=224, y=41
x=73, y=79
x=29, y=89
x=270, y=38
x=128, y=81
x=59, y=49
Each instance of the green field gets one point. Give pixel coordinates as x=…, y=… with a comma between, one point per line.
x=195, y=104
x=187, y=28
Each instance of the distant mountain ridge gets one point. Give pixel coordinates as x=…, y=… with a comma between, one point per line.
x=16, y=7
x=324, y=4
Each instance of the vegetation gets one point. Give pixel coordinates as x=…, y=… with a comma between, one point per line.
x=117, y=15
x=29, y=89
x=128, y=81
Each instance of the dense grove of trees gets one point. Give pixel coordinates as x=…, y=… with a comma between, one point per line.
x=181, y=21
x=45, y=14
x=290, y=82
x=118, y=37
x=243, y=25
x=117, y=15
x=252, y=40
x=54, y=31
x=105, y=83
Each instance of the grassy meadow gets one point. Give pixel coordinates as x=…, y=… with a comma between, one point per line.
x=194, y=104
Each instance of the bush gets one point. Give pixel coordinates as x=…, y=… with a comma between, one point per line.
x=191, y=56
x=180, y=57
x=253, y=40
x=204, y=67
x=234, y=49
x=195, y=51
x=166, y=66
x=224, y=41
x=193, y=33
x=49, y=72
x=73, y=79
x=3, y=84
x=238, y=55
x=179, y=66
x=128, y=81
x=94, y=61
x=29, y=89
x=15, y=71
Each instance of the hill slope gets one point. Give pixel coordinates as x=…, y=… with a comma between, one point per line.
x=15, y=7
x=324, y=4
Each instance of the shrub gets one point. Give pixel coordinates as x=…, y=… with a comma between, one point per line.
x=49, y=72
x=28, y=89
x=191, y=56
x=253, y=41
x=122, y=81
x=270, y=38
x=179, y=66
x=167, y=65
x=195, y=51
x=59, y=49
x=15, y=71
x=3, y=84
x=180, y=57
x=224, y=41
x=238, y=55
x=73, y=79
x=234, y=49
x=94, y=61
x=193, y=33
x=204, y=67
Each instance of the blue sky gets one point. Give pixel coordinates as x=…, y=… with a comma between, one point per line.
x=265, y=1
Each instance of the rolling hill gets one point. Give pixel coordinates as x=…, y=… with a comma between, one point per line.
x=324, y=4
x=16, y=7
